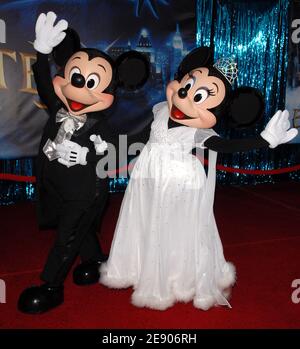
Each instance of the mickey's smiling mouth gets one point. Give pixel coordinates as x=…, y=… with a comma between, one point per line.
x=76, y=106
x=178, y=114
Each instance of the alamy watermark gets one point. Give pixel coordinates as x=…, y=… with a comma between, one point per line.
x=172, y=158
x=2, y=32
x=296, y=293
x=296, y=31
x=2, y=291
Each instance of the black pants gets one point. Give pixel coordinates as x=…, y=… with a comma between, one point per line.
x=76, y=234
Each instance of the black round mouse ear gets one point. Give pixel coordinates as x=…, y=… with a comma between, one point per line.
x=133, y=70
x=70, y=44
x=199, y=57
x=245, y=107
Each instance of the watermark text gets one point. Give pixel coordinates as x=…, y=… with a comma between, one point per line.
x=2, y=291
x=296, y=31
x=296, y=293
x=2, y=32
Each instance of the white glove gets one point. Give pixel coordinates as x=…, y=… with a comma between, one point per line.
x=277, y=130
x=100, y=145
x=71, y=153
x=47, y=34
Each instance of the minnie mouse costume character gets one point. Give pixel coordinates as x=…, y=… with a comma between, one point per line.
x=66, y=170
x=166, y=244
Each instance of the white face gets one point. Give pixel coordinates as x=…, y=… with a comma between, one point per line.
x=97, y=74
x=190, y=99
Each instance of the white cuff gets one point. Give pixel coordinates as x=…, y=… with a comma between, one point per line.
x=272, y=140
x=100, y=148
x=42, y=47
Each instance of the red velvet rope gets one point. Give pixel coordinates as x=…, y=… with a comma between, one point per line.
x=32, y=179
x=16, y=178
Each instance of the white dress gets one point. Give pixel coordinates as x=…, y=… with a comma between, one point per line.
x=166, y=243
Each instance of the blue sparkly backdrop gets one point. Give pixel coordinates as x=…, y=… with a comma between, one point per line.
x=256, y=33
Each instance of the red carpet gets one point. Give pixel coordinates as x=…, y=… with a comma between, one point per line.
x=260, y=229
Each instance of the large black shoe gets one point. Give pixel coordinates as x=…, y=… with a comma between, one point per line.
x=39, y=299
x=87, y=273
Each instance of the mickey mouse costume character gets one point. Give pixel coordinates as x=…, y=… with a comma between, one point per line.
x=74, y=138
x=166, y=243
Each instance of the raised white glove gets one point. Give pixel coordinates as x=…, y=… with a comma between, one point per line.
x=100, y=145
x=71, y=153
x=47, y=34
x=278, y=129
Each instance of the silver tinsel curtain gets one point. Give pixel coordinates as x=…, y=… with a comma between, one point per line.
x=256, y=34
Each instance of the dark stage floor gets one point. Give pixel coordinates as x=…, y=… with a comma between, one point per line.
x=260, y=230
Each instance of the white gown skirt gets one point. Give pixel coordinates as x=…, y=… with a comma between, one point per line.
x=160, y=246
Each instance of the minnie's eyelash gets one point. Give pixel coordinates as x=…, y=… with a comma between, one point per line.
x=211, y=92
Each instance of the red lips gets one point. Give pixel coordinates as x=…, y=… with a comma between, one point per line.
x=177, y=113
x=76, y=106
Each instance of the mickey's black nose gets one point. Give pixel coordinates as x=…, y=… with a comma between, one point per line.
x=182, y=92
x=78, y=80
